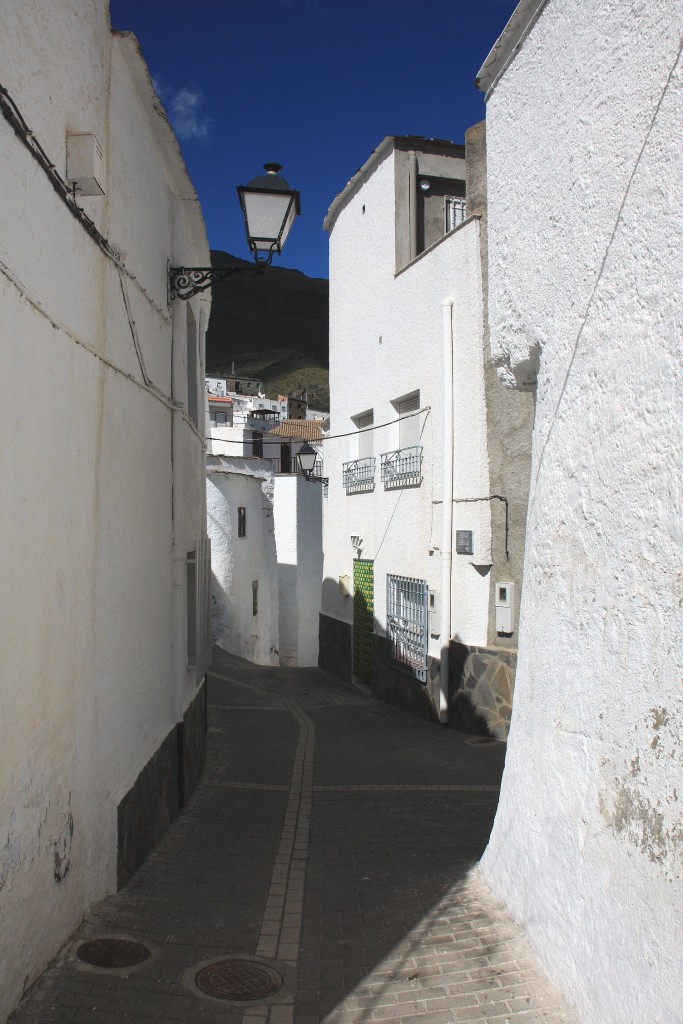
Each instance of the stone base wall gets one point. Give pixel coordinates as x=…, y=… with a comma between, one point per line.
x=161, y=789
x=480, y=686
x=335, y=654
x=402, y=690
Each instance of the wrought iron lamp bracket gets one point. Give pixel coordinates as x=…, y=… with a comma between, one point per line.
x=184, y=282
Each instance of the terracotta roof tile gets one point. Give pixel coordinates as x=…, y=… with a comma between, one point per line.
x=306, y=430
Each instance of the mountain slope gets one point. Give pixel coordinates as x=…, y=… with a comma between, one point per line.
x=272, y=325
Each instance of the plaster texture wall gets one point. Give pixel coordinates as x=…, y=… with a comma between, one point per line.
x=92, y=599
x=585, y=221
x=237, y=563
x=386, y=343
x=298, y=535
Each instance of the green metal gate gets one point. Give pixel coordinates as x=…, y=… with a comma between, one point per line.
x=363, y=618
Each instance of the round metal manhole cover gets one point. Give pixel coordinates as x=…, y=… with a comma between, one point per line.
x=113, y=953
x=238, y=980
x=481, y=741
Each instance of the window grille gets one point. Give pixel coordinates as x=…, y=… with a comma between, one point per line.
x=455, y=209
x=407, y=612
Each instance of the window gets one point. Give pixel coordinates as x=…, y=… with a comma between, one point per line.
x=221, y=419
x=198, y=586
x=407, y=610
x=455, y=211
x=254, y=597
x=257, y=444
x=359, y=474
x=408, y=428
x=241, y=521
x=403, y=467
x=192, y=404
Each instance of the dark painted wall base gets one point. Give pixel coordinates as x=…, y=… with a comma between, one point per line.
x=402, y=690
x=161, y=789
x=335, y=652
x=480, y=680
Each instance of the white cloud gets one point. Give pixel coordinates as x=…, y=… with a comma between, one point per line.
x=186, y=115
x=184, y=109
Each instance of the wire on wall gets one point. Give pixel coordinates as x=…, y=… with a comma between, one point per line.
x=491, y=497
x=21, y=129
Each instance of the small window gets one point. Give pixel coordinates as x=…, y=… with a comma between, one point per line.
x=254, y=597
x=221, y=419
x=241, y=521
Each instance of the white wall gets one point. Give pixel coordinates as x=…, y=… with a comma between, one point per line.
x=585, y=221
x=92, y=637
x=298, y=534
x=239, y=562
x=386, y=342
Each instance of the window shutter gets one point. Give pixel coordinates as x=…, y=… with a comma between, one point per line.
x=409, y=430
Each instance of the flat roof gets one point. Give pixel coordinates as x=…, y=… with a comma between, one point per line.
x=404, y=142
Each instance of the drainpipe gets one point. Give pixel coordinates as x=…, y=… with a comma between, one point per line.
x=412, y=202
x=447, y=507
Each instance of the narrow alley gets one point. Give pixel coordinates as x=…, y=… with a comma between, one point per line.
x=330, y=848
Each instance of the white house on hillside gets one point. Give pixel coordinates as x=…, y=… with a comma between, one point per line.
x=104, y=565
x=428, y=468
x=584, y=115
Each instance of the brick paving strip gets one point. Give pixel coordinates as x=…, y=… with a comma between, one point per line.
x=281, y=926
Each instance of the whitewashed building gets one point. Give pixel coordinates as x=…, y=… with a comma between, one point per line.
x=427, y=459
x=103, y=610
x=265, y=528
x=584, y=114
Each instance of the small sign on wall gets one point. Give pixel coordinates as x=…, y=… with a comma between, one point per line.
x=464, y=542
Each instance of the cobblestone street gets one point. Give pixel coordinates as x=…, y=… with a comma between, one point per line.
x=334, y=839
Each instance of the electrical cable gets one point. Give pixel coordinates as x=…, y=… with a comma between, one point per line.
x=330, y=437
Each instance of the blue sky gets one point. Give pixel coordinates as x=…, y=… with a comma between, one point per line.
x=312, y=84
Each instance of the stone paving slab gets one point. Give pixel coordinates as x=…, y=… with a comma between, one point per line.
x=334, y=838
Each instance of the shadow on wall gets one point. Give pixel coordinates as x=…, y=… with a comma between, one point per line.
x=480, y=683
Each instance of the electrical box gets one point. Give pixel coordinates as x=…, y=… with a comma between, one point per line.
x=434, y=609
x=85, y=164
x=505, y=607
x=345, y=586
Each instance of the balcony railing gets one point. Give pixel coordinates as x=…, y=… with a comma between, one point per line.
x=402, y=468
x=358, y=475
x=291, y=466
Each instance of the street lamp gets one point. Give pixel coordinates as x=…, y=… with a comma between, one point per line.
x=307, y=456
x=269, y=206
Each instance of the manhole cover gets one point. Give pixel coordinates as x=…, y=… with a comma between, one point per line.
x=113, y=953
x=481, y=741
x=241, y=980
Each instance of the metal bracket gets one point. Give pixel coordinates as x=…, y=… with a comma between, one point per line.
x=184, y=282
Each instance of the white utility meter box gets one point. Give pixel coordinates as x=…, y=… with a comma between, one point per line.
x=85, y=164
x=505, y=607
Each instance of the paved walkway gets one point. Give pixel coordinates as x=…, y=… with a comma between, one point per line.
x=333, y=838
